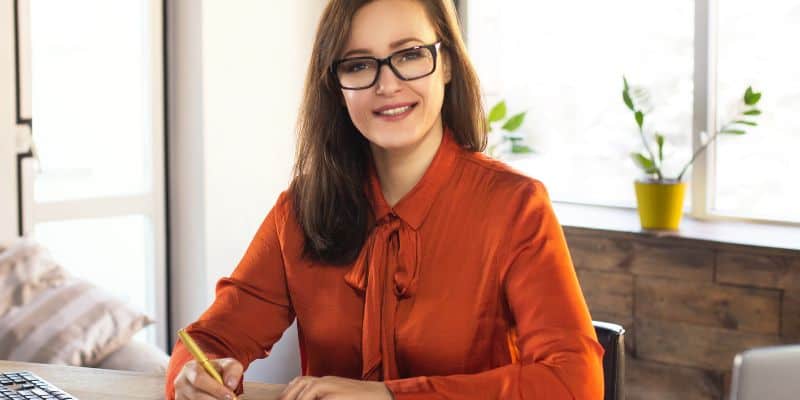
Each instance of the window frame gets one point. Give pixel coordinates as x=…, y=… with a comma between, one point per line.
x=704, y=116
x=152, y=204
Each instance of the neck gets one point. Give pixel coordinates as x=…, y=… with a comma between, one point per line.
x=399, y=170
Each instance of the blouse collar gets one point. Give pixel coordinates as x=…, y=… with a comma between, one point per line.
x=415, y=205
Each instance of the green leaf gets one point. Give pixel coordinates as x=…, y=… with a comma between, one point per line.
x=627, y=99
x=498, y=112
x=733, y=131
x=660, y=142
x=639, y=119
x=743, y=122
x=514, y=122
x=521, y=149
x=753, y=112
x=645, y=163
x=626, y=96
x=751, y=97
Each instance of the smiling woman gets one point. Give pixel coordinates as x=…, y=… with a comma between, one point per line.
x=416, y=267
x=339, y=131
x=403, y=110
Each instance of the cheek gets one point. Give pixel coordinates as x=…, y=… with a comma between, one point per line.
x=433, y=93
x=358, y=104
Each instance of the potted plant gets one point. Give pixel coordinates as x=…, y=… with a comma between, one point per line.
x=510, y=126
x=660, y=198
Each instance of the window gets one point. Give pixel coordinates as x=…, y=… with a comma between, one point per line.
x=757, y=174
x=96, y=197
x=563, y=63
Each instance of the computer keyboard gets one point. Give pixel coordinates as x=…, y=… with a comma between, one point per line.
x=24, y=385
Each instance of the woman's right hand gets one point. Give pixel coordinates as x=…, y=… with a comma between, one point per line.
x=194, y=383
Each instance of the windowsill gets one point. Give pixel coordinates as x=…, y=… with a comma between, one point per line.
x=626, y=220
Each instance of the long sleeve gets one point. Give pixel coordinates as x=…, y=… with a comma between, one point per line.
x=251, y=309
x=558, y=353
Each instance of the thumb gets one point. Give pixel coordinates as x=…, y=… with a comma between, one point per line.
x=231, y=372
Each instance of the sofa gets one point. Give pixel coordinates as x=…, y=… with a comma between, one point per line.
x=50, y=316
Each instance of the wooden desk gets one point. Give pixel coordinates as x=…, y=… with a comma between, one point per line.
x=104, y=384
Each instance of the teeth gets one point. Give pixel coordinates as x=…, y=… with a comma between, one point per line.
x=395, y=111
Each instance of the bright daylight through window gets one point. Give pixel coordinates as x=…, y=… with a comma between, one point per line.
x=97, y=200
x=563, y=62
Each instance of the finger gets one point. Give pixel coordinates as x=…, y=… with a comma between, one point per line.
x=294, y=388
x=290, y=386
x=291, y=390
x=189, y=372
x=232, y=371
x=313, y=390
x=194, y=395
x=185, y=391
x=180, y=386
x=202, y=381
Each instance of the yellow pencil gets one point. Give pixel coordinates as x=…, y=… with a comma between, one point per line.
x=198, y=355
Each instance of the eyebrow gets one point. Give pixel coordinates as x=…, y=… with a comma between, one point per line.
x=393, y=45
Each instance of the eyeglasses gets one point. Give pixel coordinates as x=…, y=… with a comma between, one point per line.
x=408, y=64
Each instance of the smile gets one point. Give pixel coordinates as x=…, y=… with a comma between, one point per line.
x=395, y=113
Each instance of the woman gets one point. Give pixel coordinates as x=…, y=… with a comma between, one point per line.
x=417, y=268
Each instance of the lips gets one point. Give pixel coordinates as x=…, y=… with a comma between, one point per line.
x=394, y=109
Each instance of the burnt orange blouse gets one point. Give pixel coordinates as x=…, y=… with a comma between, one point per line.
x=463, y=290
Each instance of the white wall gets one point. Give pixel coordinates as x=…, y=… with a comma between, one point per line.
x=8, y=164
x=236, y=80
x=189, y=287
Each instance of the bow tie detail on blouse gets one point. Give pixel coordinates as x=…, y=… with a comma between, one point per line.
x=385, y=272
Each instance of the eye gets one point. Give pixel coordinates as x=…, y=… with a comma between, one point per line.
x=355, y=66
x=412, y=55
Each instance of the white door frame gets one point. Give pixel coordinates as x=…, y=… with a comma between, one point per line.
x=8, y=112
x=152, y=205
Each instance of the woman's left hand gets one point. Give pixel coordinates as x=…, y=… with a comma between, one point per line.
x=334, y=388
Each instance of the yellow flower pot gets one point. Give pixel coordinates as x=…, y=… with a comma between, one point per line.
x=660, y=204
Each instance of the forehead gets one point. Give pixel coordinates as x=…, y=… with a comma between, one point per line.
x=381, y=22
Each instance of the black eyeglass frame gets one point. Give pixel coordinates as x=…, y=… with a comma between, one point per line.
x=433, y=48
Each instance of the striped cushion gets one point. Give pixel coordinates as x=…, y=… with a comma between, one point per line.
x=74, y=324
x=26, y=268
x=59, y=321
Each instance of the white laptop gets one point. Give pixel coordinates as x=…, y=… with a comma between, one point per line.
x=767, y=373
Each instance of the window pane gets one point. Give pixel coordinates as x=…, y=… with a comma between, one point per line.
x=565, y=68
x=91, y=97
x=114, y=253
x=757, y=172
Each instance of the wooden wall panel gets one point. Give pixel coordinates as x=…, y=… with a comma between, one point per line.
x=694, y=346
x=647, y=380
x=707, y=304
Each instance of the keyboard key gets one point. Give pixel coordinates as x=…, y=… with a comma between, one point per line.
x=25, y=385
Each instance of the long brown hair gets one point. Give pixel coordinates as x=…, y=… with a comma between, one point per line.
x=330, y=171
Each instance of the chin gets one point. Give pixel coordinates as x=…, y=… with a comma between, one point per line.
x=394, y=138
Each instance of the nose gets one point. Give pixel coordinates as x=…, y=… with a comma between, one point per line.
x=388, y=82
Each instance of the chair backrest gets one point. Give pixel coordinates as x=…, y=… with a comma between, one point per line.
x=767, y=373
x=612, y=338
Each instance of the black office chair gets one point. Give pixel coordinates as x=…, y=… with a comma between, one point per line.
x=612, y=337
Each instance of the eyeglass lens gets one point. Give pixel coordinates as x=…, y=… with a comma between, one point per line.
x=362, y=72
